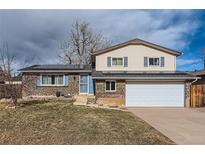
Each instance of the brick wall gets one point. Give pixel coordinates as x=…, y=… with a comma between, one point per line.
x=30, y=87
x=187, y=93
x=100, y=89
x=110, y=97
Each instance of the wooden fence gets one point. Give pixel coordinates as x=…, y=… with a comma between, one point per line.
x=198, y=95
x=5, y=93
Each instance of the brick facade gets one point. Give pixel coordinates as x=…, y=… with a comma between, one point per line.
x=120, y=92
x=187, y=93
x=30, y=88
x=106, y=97
x=100, y=89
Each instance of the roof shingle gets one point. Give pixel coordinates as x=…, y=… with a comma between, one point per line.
x=56, y=67
x=142, y=75
x=137, y=42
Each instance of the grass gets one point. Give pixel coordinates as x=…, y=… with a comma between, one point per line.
x=60, y=122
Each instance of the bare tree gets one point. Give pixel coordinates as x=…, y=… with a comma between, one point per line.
x=81, y=43
x=7, y=65
x=7, y=61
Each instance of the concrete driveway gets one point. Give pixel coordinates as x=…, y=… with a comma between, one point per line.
x=181, y=125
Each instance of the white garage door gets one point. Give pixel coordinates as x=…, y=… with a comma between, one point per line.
x=159, y=95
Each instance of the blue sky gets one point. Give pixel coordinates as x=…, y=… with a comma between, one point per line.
x=192, y=53
x=36, y=34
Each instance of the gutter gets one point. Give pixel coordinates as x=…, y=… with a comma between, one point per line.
x=56, y=71
x=149, y=78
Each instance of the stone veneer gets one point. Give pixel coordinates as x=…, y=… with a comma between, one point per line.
x=100, y=89
x=187, y=93
x=100, y=92
x=30, y=87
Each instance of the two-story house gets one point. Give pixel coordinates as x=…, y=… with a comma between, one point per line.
x=135, y=73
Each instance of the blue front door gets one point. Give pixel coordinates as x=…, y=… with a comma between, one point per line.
x=86, y=84
x=83, y=84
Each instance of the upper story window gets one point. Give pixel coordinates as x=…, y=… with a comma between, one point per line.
x=52, y=80
x=150, y=61
x=117, y=61
x=153, y=61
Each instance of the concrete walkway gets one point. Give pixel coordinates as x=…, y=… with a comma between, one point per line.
x=181, y=125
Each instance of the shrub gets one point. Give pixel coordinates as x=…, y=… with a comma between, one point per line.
x=58, y=93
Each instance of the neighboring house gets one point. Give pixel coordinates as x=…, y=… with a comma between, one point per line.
x=15, y=80
x=200, y=73
x=4, y=80
x=134, y=73
x=5, y=85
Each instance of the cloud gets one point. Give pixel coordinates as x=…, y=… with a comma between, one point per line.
x=183, y=62
x=167, y=28
x=36, y=34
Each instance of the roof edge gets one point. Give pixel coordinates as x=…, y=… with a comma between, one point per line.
x=56, y=71
x=198, y=73
x=137, y=41
x=53, y=68
x=149, y=78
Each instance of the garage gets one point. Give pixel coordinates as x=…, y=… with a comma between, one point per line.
x=155, y=95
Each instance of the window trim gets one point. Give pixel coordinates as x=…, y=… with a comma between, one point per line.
x=154, y=65
x=110, y=86
x=117, y=65
x=52, y=85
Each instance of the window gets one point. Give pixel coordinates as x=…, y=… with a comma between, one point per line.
x=117, y=61
x=52, y=80
x=153, y=61
x=110, y=86
x=60, y=79
x=46, y=79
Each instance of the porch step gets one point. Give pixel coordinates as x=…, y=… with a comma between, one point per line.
x=111, y=101
x=79, y=103
x=91, y=99
x=81, y=99
x=84, y=99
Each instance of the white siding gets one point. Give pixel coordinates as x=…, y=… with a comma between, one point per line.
x=136, y=54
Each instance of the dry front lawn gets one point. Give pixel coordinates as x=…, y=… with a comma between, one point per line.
x=60, y=122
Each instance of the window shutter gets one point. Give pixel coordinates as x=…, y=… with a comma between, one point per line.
x=145, y=61
x=66, y=80
x=39, y=80
x=162, y=61
x=125, y=61
x=108, y=61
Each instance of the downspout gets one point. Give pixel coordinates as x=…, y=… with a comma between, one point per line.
x=194, y=81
